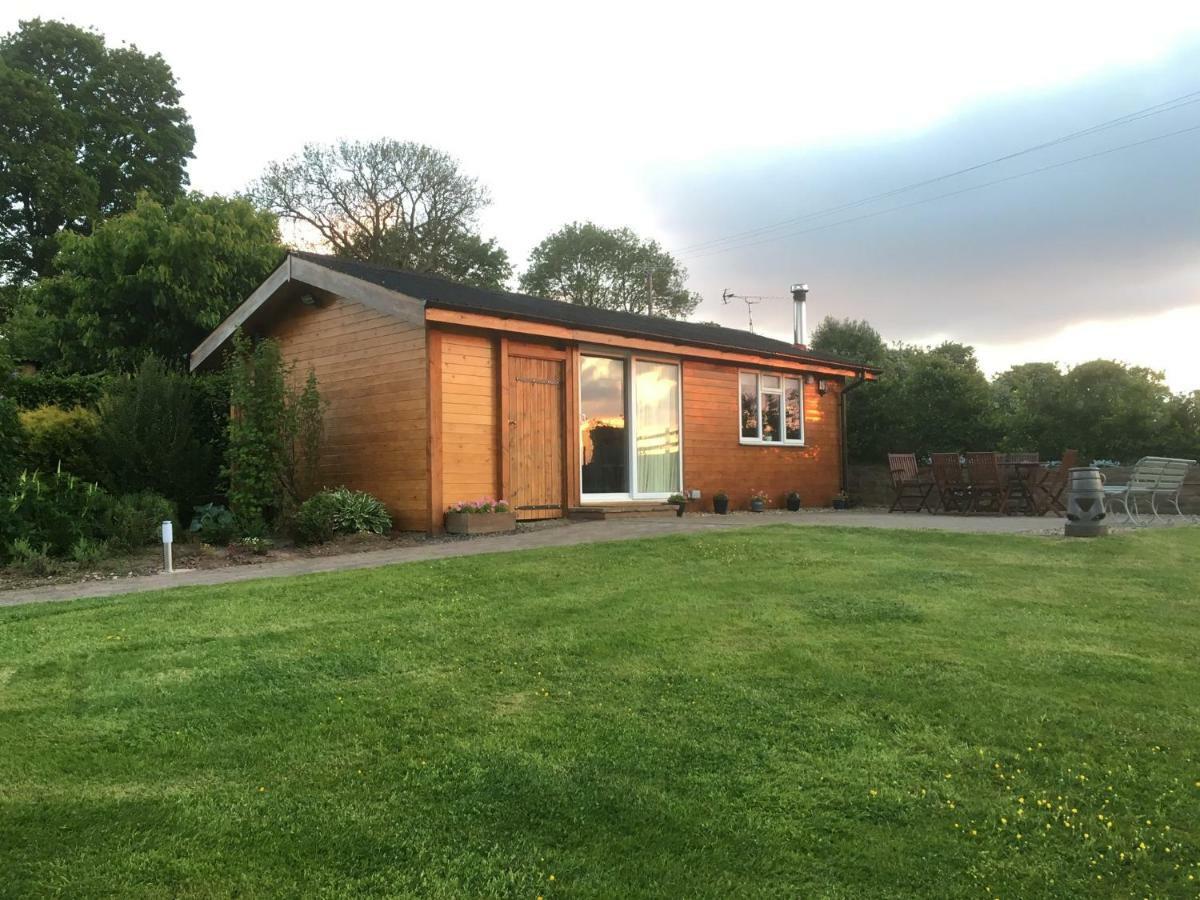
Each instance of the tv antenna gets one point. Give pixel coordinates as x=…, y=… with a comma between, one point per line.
x=749, y=300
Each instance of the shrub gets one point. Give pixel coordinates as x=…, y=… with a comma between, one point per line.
x=12, y=443
x=340, y=511
x=56, y=437
x=134, y=519
x=213, y=524
x=31, y=560
x=87, y=552
x=315, y=522
x=274, y=433
x=256, y=545
x=55, y=510
x=358, y=511
x=148, y=439
x=32, y=391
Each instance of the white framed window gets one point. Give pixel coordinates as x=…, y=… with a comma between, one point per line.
x=770, y=408
x=631, y=414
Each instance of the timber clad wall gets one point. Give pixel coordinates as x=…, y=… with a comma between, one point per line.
x=470, y=434
x=372, y=372
x=714, y=460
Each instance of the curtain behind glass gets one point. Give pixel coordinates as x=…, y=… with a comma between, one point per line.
x=656, y=398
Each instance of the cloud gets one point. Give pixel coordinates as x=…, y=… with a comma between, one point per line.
x=1107, y=240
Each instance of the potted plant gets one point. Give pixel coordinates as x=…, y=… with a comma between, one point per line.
x=793, y=501
x=679, y=501
x=758, y=501
x=482, y=516
x=841, y=500
x=720, y=503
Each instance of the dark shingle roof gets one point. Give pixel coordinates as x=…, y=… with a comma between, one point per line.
x=442, y=294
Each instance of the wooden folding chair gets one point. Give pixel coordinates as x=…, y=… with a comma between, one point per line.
x=1021, y=473
x=953, y=493
x=908, y=484
x=1048, y=492
x=989, y=488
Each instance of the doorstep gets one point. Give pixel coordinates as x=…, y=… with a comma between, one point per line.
x=633, y=510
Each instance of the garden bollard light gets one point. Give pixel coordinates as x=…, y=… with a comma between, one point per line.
x=168, y=536
x=1085, y=503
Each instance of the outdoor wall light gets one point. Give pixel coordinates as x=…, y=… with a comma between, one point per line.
x=822, y=387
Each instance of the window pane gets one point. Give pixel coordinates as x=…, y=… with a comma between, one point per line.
x=656, y=399
x=604, y=451
x=772, y=429
x=794, y=412
x=770, y=382
x=749, y=383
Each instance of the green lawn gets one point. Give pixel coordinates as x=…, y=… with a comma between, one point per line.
x=777, y=712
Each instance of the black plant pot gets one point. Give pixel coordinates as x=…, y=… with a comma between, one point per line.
x=793, y=503
x=679, y=510
x=841, y=503
x=720, y=505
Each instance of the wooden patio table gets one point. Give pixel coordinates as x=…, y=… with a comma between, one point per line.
x=1028, y=477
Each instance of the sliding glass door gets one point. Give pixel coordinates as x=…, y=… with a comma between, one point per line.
x=630, y=445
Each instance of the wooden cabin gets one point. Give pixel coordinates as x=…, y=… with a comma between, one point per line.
x=439, y=392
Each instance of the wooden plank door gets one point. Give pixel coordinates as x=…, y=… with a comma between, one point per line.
x=535, y=437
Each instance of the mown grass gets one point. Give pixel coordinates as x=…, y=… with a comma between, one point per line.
x=778, y=712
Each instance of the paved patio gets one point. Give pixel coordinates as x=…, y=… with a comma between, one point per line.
x=564, y=535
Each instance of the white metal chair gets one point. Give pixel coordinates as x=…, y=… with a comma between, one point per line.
x=1153, y=476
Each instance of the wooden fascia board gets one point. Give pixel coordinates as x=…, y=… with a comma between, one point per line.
x=394, y=303
x=586, y=336
x=239, y=316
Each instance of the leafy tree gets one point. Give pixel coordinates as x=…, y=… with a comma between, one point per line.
x=84, y=128
x=610, y=268
x=1027, y=405
x=155, y=280
x=390, y=202
x=852, y=338
x=1113, y=411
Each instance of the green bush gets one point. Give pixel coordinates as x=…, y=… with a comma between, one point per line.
x=314, y=522
x=55, y=510
x=134, y=519
x=61, y=438
x=358, y=511
x=340, y=511
x=213, y=524
x=87, y=552
x=149, y=440
x=32, y=391
x=12, y=443
x=31, y=560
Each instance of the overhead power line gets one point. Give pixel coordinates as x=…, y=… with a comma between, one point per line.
x=1157, y=109
x=974, y=187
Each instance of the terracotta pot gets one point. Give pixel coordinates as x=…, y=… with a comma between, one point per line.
x=480, y=523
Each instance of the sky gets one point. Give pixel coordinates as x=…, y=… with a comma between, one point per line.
x=696, y=123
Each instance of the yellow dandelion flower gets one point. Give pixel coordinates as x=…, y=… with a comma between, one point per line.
x=551, y=877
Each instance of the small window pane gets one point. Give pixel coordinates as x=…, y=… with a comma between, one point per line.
x=770, y=382
x=794, y=413
x=771, y=426
x=749, y=384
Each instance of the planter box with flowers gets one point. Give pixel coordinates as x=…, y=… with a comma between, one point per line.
x=483, y=516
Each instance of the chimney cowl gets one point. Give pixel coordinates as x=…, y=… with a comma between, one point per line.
x=800, y=315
